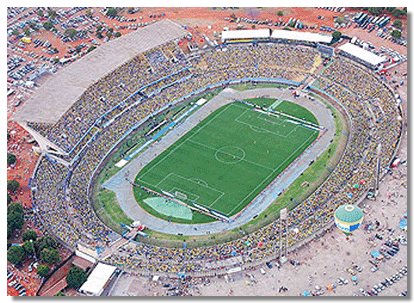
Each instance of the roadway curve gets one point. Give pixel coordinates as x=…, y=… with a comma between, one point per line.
x=124, y=190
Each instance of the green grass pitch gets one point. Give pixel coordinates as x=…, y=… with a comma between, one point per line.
x=229, y=158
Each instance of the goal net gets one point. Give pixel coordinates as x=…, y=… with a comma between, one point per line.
x=180, y=195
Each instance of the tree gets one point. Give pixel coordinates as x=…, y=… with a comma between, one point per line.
x=11, y=159
x=12, y=186
x=15, y=217
x=16, y=33
x=29, y=234
x=280, y=13
x=76, y=277
x=396, y=34
x=50, y=255
x=48, y=25
x=9, y=198
x=28, y=247
x=9, y=231
x=15, y=208
x=40, y=12
x=336, y=35
x=43, y=270
x=51, y=13
x=27, y=32
x=398, y=13
x=45, y=242
x=340, y=20
x=70, y=32
x=91, y=48
x=16, y=255
x=111, y=12
x=375, y=10
x=398, y=24
x=117, y=34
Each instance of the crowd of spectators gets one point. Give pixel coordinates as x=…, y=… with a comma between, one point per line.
x=110, y=91
x=61, y=194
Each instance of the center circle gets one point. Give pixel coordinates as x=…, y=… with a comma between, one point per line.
x=230, y=154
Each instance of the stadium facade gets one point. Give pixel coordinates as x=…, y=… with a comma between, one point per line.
x=62, y=192
x=53, y=99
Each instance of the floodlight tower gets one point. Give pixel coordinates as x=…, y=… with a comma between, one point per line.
x=378, y=169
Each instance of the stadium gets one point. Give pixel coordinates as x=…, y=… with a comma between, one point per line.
x=160, y=161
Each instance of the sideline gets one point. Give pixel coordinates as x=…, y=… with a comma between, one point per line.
x=124, y=191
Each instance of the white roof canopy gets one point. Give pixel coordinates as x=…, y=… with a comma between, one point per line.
x=246, y=34
x=301, y=36
x=362, y=54
x=61, y=91
x=97, y=279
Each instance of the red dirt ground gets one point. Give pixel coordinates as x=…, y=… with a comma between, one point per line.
x=200, y=22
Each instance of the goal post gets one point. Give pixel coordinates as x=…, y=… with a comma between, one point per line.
x=180, y=195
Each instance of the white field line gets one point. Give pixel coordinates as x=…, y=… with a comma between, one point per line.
x=179, y=145
x=300, y=146
x=215, y=149
x=251, y=162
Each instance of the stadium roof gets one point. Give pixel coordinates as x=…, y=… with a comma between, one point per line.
x=245, y=34
x=362, y=54
x=60, y=92
x=97, y=279
x=301, y=36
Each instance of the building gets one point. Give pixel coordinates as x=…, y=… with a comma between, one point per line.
x=98, y=280
x=250, y=35
x=362, y=56
x=66, y=86
x=300, y=37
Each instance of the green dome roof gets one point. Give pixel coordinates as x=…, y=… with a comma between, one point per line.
x=349, y=213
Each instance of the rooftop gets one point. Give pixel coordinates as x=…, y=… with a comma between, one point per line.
x=349, y=213
x=362, y=54
x=59, y=93
x=97, y=279
x=246, y=34
x=301, y=36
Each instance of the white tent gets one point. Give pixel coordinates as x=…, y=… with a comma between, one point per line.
x=362, y=54
x=98, y=279
x=301, y=36
x=245, y=34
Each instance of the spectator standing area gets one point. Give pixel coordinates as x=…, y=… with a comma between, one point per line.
x=69, y=85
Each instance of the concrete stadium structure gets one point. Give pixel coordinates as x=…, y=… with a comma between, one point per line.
x=63, y=183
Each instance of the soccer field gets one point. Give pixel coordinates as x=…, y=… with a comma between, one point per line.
x=227, y=159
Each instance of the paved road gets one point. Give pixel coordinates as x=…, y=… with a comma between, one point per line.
x=123, y=188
